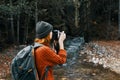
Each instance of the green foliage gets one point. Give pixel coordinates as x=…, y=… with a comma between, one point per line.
x=6, y=9
x=18, y=7
x=60, y=13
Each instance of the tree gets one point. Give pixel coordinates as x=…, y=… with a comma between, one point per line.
x=36, y=11
x=18, y=22
x=119, y=20
x=77, y=5
x=11, y=19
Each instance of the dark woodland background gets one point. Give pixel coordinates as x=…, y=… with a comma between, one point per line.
x=91, y=19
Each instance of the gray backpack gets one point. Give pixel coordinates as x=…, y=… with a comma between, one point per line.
x=23, y=65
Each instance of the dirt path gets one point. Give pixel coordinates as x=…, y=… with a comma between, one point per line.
x=84, y=71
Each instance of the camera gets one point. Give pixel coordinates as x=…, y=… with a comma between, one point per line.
x=56, y=35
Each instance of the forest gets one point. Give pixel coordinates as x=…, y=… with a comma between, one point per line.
x=92, y=19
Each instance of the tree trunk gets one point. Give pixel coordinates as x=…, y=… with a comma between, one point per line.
x=108, y=35
x=77, y=4
x=12, y=25
x=88, y=13
x=109, y=14
x=26, y=29
x=36, y=11
x=119, y=20
x=18, y=27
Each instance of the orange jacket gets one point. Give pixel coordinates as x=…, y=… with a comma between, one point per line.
x=45, y=56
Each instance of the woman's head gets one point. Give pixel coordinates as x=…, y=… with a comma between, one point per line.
x=43, y=29
x=43, y=32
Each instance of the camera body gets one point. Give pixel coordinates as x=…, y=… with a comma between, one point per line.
x=56, y=35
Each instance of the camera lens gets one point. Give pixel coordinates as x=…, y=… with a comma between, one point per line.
x=55, y=34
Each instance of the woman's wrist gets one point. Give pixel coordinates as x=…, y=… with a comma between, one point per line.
x=61, y=45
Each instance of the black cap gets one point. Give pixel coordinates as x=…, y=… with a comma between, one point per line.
x=43, y=29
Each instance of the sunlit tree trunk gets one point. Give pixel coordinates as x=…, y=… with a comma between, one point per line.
x=77, y=5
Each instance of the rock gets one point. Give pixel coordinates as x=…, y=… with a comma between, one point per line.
x=93, y=74
x=105, y=55
x=72, y=45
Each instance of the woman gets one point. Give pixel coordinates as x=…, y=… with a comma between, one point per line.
x=45, y=55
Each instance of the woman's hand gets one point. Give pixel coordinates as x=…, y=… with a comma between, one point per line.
x=61, y=40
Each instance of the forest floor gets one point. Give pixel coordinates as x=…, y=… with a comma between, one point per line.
x=85, y=71
x=79, y=70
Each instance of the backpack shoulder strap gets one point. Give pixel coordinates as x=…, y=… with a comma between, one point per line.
x=33, y=64
x=36, y=45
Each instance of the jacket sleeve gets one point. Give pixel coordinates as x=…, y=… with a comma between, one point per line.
x=52, y=58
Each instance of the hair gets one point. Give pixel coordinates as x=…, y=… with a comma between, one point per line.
x=43, y=40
